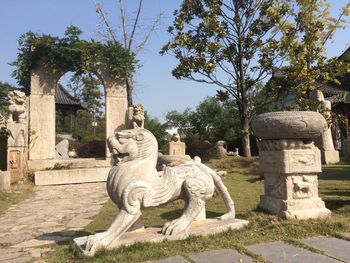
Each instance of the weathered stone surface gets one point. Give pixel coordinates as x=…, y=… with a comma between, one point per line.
x=325, y=142
x=334, y=247
x=37, y=165
x=330, y=157
x=61, y=150
x=277, y=252
x=177, y=148
x=290, y=161
x=171, y=160
x=42, y=126
x=134, y=183
x=176, y=259
x=71, y=176
x=220, y=256
x=153, y=234
x=289, y=125
x=220, y=150
x=5, y=181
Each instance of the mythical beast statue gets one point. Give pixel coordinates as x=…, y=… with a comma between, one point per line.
x=134, y=183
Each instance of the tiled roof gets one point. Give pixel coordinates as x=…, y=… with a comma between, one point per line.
x=62, y=96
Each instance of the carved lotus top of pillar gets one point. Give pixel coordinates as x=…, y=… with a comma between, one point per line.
x=289, y=125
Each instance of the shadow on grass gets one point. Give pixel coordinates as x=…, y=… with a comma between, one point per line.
x=177, y=213
x=340, y=193
x=335, y=173
x=336, y=204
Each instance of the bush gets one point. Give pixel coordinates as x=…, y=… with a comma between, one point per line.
x=92, y=149
x=202, y=149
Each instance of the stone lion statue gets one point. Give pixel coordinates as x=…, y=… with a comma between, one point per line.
x=138, y=118
x=134, y=183
x=17, y=107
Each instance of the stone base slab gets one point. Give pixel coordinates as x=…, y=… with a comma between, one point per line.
x=303, y=209
x=329, y=157
x=73, y=176
x=153, y=234
x=38, y=165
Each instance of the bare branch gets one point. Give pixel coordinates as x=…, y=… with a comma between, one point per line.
x=122, y=15
x=135, y=24
x=150, y=31
x=103, y=15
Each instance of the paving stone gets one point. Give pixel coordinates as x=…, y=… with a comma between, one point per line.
x=46, y=218
x=9, y=240
x=334, y=247
x=220, y=256
x=278, y=252
x=177, y=259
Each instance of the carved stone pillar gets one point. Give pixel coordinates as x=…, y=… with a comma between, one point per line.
x=17, y=142
x=290, y=162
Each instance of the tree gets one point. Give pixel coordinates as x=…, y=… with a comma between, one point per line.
x=158, y=129
x=212, y=120
x=305, y=36
x=232, y=44
x=128, y=37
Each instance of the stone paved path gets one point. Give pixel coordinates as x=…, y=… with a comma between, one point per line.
x=53, y=214
x=334, y=251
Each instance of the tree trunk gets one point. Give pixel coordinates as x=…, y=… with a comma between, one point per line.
x=245, y=138
x=129, y=90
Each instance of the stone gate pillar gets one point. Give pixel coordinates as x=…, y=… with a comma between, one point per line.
x=116, y=106
x=42, y=128
x=290, y=162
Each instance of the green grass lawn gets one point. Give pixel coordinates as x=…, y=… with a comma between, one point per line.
x=245, y=187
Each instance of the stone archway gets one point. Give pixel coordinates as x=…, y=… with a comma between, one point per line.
x=42, y=108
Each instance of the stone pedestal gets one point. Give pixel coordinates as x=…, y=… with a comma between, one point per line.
x=291, y=185
x=16, y=162
x=289, y=162
x=177, y=148
x=16, y=150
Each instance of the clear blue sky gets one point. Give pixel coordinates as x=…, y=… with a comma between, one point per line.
x=155, y=86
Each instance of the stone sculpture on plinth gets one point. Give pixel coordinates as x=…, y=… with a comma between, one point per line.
x=176, y=146
x=133, y=183
x=290, y=161
x=17, y=128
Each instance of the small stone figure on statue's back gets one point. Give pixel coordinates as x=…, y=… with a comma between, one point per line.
x=176, y=147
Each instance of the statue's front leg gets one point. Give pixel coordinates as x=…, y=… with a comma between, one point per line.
x=120, y=225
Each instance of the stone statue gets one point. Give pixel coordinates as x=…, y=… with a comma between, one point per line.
x=138, y=118
x=134, y=183
x=17, y=107
x=325, y=141
x=176, y=137
x=220, y=149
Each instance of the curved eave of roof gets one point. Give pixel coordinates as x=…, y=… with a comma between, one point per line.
x=63, y=97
